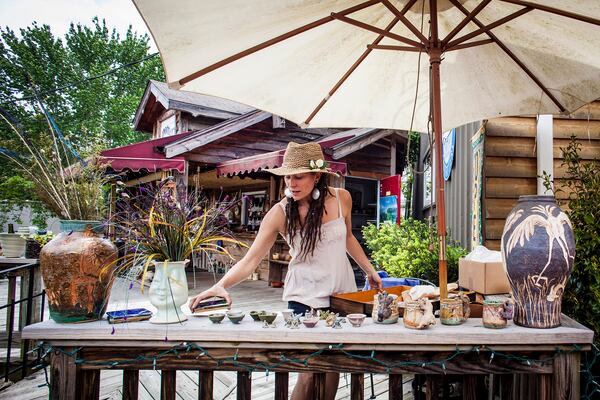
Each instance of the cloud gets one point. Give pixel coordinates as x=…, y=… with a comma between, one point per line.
x=59, y=14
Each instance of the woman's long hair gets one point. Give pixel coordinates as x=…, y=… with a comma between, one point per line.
x=310, y=231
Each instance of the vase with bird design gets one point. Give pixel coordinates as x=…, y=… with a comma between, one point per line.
x=538, y=250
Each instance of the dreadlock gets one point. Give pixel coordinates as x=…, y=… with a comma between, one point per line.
x=310, y=230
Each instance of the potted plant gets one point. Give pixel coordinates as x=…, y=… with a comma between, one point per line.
x=72, y=189
x=35, y=242
x=162, y=229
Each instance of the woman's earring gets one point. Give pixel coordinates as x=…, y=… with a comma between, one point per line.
x=287, y=192
x=316, y=193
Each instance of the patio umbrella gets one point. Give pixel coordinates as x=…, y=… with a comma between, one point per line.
x=384, y=63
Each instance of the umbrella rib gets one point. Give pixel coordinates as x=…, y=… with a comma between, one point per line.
x=350, y=71
x=552, y=10
x=375, y=29
x=487, y=28
x=392, y=47
x=273, y=41
x=406, y=22
x=471, y=44
x=513, y=57
x=465, y=21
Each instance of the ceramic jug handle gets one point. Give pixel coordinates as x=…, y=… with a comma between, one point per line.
x=507, y=310
x=466, y=306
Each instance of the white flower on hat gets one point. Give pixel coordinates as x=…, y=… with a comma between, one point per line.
x=318, y=164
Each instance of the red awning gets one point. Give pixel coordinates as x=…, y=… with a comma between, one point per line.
x=274, y=159
x=144, y=155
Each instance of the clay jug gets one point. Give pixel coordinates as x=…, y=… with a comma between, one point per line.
x=71, y=264
x=538, y=249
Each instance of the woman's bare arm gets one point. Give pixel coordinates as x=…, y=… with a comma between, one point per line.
x=270, y=227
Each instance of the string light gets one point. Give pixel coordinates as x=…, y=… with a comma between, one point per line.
x=589, y=360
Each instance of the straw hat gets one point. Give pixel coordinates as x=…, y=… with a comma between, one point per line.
x=301, y=158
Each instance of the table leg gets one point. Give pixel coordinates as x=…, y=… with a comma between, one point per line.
x=244, y=385
x=63, y=376
x=168, y=384
x=357, y=386
x=281, y=385
x=88, y=384
x=396, y=389
x=205, y=385
x=131, y=380
x=565, y=379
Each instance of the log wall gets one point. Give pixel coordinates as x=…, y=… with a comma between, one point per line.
x=510, y=167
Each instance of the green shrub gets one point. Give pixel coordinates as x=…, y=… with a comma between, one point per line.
x=581, y=295
x=410, y=250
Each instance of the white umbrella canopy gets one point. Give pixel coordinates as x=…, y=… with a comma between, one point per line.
x=368, y=63
x=291, y=78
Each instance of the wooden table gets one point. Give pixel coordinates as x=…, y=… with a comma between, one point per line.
x=466, y=349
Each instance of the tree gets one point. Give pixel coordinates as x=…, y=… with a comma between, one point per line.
x=93, y=114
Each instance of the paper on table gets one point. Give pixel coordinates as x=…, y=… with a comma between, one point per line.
x=483, y=254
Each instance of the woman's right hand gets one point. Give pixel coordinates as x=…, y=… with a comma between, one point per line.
x=208, y=293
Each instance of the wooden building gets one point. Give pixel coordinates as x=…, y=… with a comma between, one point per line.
x=510, y=169
x=225, y=148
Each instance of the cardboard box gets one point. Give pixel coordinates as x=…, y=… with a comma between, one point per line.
x=483, y=277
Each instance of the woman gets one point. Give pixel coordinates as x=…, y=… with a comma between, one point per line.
x=315, y=221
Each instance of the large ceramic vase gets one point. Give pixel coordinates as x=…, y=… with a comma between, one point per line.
x=71, y=264
x=168, y=291
x=538, y=249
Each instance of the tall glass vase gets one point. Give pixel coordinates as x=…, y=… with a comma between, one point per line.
x=538, y=250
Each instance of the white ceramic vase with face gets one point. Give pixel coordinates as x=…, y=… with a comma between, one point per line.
x=168, y=291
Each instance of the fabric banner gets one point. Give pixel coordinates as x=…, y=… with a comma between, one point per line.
x=477, y=146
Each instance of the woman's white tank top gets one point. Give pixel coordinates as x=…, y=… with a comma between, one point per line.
x=327, y=271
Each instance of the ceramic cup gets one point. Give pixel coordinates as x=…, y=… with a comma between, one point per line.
x=268, y=317
x=496, y=313
x=356, y=320
x=454, y=311
x=235, y=316
x=255, y=315
x=216, y=318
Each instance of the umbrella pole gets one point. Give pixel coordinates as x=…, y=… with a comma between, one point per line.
x=435, y=53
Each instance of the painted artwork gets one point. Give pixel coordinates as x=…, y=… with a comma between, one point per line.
x=477, y=146
x=388, y=209
x=448, y=145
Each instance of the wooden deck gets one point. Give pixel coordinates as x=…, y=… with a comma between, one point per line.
x=249, y=295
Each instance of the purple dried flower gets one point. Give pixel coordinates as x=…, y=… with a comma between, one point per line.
x=130, y=285
x=113, y=331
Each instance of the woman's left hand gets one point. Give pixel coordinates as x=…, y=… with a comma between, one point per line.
x=375, y=281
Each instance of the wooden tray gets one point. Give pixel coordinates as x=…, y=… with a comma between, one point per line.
x=359, y=302
x=362, y=302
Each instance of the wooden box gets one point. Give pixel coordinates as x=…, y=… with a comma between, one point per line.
x=359, y=302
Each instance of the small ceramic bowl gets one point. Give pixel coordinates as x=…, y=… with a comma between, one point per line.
x=216, y=318
x=356, y=320
x=256, y=314
x=235, y=316
x=269, y=317
x=310, y=322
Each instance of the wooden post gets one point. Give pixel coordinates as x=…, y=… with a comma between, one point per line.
x=469, y=387
x=63, y=376
x=396, y=389
x=432, y=387
x=272, y=191
x=565, y=379
x=205, y=385
x=281, y=385
x=88, y=384
x=131, y=379
x=357, y=386
x=319, y=386
x=393, y=155
x=168, y=384
x=244, y=385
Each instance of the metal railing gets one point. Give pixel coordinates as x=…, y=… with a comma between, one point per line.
x=27, y=273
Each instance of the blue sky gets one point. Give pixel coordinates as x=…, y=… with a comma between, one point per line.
x=60, y=13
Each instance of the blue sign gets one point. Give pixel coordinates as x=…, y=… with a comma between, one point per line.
x=448, y=141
